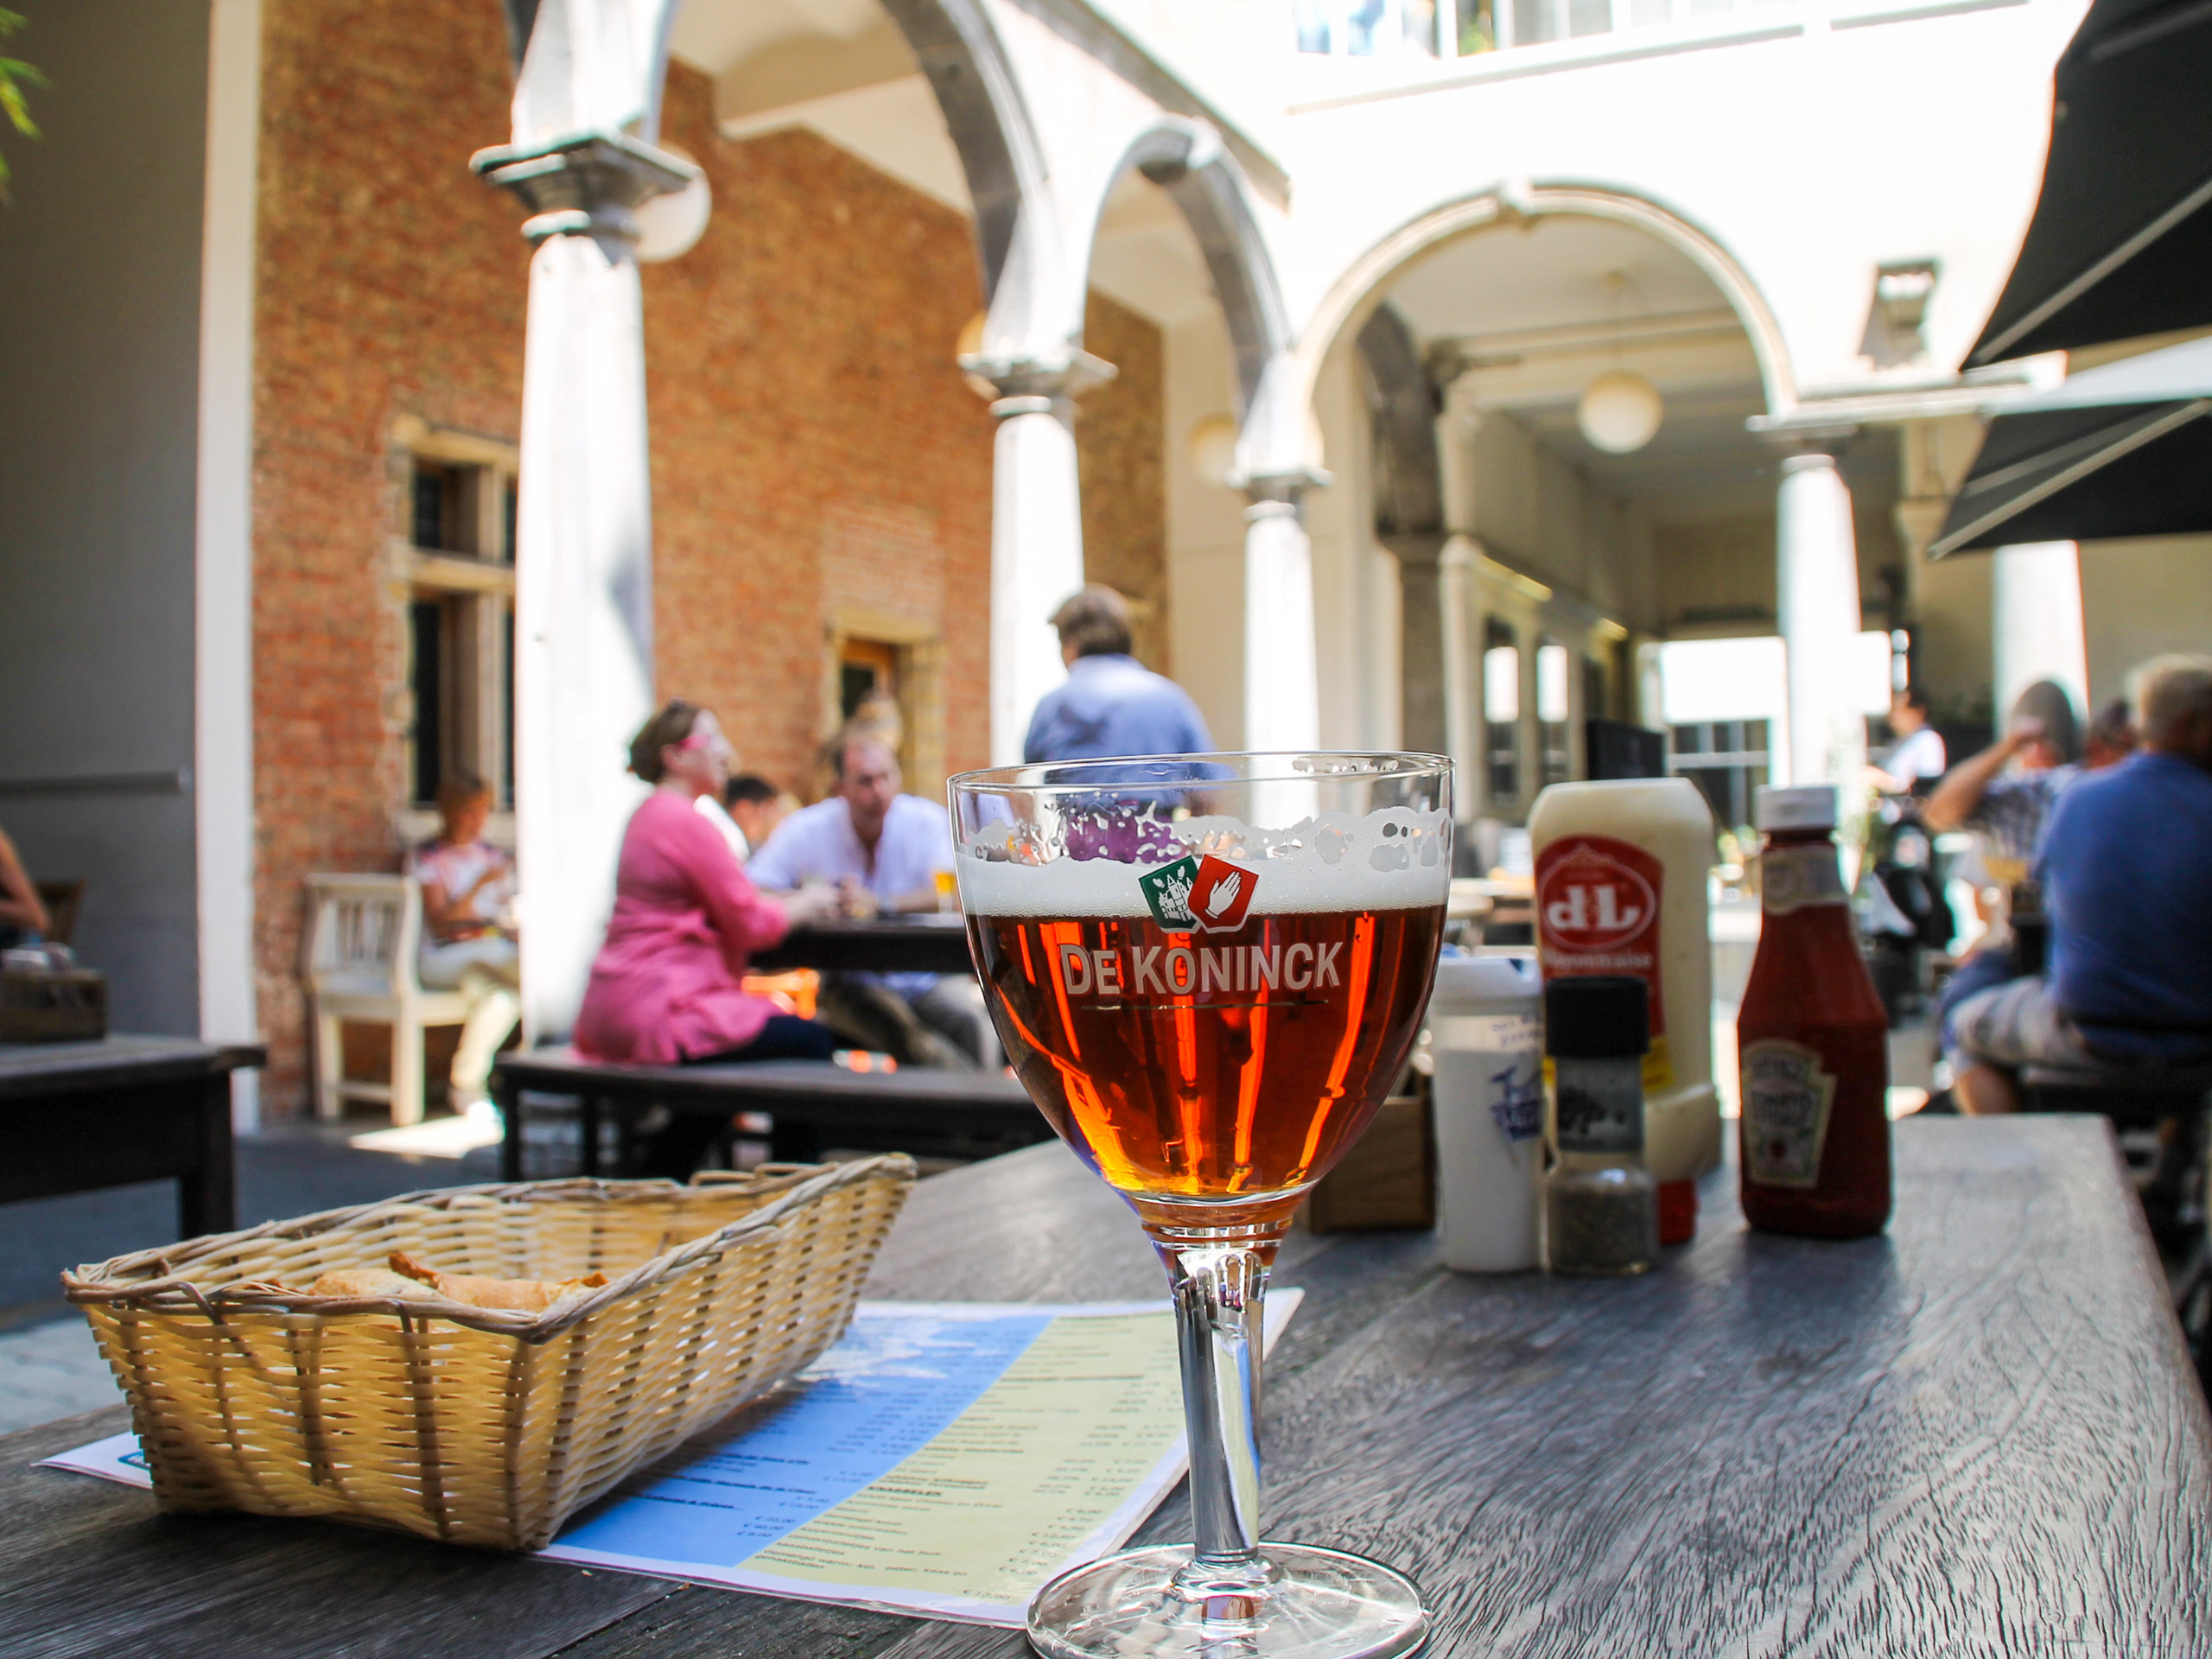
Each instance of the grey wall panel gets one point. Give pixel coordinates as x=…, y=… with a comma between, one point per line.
x=99, y=320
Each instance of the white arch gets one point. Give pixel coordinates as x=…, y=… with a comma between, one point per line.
x=1186, y=158
x=1360, y=286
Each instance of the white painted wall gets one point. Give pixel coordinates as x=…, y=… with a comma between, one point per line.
x=2140, y=599
x=1807, y=155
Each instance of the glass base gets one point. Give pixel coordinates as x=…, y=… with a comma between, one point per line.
x=1300, y=1603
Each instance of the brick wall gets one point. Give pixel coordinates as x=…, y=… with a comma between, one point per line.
x=389, y=282
x=814, y=446
x=815, y=451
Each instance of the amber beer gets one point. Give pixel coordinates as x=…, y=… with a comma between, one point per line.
x=1210, y=1065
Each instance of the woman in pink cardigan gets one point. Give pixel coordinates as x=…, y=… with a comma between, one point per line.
x=666, y=987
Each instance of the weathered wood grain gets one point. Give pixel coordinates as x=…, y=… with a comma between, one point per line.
x=1977, y=1435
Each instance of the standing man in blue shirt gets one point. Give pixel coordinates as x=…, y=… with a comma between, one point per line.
x=2126, y=869
x=1112, y=704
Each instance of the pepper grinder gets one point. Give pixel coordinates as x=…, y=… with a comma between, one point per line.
x=1601, y=1207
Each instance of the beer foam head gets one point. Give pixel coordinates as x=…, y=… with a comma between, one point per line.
x=1394, y=859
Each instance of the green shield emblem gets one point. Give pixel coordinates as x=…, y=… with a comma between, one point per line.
x=1168, y=890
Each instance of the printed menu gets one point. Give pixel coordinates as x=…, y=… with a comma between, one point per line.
x=943, y=1458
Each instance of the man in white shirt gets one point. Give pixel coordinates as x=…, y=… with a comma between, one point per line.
x=884, y=849
x=1918, y=751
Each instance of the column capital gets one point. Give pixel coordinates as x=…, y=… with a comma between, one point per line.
x=1812, y=441
x=584, y=183
x=1808, y=460
x=1037, y=384
x=1280, y=489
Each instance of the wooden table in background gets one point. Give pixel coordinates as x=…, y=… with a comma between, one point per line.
x=74, y=1116
x=1977, y=1435
x=928, y=943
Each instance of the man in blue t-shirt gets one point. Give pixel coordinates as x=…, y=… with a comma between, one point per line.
x=1112, y=704
x=2126, y=871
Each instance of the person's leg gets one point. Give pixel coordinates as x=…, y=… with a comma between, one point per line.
x=1984, y=1091
x=786, y=1037
x=872, y=1016
x=953, y=1008
x=494, y=1011
x=2001, y=1031
x=675, y=1151
x=1979, y=1088
x=485, y=971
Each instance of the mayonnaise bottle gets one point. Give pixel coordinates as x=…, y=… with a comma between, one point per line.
x=1621, y=874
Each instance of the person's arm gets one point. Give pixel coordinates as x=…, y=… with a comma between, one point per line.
x=20, y=904
x=1959, y=793
x=442, y=912
x=774, y=867
x=745, y=920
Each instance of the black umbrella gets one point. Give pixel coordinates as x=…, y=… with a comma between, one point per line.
x=2122, y=241
x=2123, y=450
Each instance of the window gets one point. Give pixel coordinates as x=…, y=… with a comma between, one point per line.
x=1465, y=28
x=460, y=681
x=1502, y=709
x=1727, y=761
x=453, y=557
x=1553, y=715
x=462, y=509
x=1478, y=26
x=1366, y=29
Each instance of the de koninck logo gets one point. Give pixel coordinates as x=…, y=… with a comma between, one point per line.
x=1194, y=892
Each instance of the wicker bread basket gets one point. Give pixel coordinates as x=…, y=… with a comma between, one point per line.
x=473, y=1424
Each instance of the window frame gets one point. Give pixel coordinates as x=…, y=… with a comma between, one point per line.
x=476, y=591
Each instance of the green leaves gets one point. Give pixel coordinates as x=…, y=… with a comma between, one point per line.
x=14, y=76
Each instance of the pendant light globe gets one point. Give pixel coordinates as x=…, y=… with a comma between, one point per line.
x=1620, y=412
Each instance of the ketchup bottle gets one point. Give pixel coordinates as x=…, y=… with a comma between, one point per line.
x=1811, y=1039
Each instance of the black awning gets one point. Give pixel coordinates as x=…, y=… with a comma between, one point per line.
x=2122, y=241
x=2123, y=450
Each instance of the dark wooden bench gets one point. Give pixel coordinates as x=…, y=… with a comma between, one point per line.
x=811, y=1103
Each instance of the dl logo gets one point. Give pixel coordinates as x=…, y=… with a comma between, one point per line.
x=1205, y=892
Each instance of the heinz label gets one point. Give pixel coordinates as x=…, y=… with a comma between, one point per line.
x=1787, y=1098
x=1598, y=903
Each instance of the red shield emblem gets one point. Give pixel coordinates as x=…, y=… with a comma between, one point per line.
x=1221, y=894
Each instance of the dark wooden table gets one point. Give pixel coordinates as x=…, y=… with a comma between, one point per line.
x=1976, y=1436
x=925, y=943
x=78, y=1115
x=813, y=1104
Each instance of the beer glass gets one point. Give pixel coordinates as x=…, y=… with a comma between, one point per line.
x=1208, y=971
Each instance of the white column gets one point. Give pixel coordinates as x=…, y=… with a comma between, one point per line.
x=2036, y=622
x=1036, y=559
x=1463, y=722
x=1818, y=583
x=223, y=565
x=1282, y=695
x=583, y=565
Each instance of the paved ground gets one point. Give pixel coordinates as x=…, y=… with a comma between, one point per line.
x=49, y=1367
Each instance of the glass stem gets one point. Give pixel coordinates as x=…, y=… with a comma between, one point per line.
x=1218, y=1290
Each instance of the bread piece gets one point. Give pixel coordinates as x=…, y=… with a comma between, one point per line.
x=367, y=1281
x=517, y=1295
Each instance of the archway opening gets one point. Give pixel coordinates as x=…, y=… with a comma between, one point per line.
x=1595, y=492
